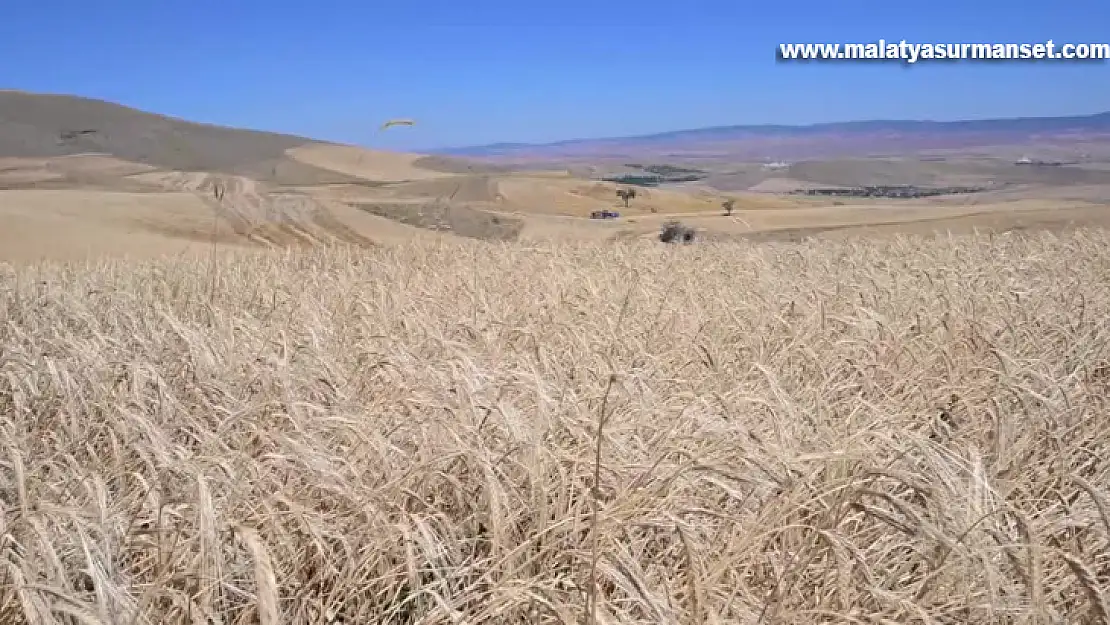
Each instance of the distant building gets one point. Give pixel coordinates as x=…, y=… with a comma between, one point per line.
x=1025, y=160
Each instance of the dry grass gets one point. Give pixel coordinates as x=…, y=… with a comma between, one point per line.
x=908, y=430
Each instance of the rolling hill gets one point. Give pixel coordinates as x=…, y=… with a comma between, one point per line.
x=36, y=125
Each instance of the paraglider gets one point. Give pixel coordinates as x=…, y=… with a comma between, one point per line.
x=397, y=122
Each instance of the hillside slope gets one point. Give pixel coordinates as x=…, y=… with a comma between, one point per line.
x=44, y=125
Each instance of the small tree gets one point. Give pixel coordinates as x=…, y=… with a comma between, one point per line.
x=675, y=232
x=626, y=195
x=728, y=205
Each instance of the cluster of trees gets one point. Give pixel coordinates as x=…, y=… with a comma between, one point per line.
x=655, y=175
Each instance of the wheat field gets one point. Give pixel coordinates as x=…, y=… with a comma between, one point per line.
x=905, y=430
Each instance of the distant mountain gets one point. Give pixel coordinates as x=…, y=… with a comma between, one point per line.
x=46, y=125
x=855, y=138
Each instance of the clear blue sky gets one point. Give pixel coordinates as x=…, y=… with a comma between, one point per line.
x=483, y=71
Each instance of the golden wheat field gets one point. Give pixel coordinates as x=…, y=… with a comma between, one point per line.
x=906, y=430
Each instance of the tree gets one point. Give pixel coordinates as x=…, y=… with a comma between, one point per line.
x=728, y=205
x=626, y=195
x=674, y=232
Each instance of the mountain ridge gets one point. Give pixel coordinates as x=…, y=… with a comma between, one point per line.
x=42, y=125
x=930, y=134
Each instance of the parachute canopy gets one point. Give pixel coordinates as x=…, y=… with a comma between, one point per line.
x=397, y=122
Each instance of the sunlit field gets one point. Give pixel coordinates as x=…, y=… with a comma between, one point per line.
x=909, y=430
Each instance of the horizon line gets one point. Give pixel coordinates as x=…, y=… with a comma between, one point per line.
x=561, y=142
x=800, y=126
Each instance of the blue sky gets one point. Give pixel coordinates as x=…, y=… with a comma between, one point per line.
x=484, y=71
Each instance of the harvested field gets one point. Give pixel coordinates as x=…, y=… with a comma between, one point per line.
x=441, y=216
x=363, y=164
x=856, y=431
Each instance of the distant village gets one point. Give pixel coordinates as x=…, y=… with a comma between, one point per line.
x=888, y=191
x=1034, y=162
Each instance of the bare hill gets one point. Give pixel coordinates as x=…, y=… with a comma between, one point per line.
x=46, y=125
